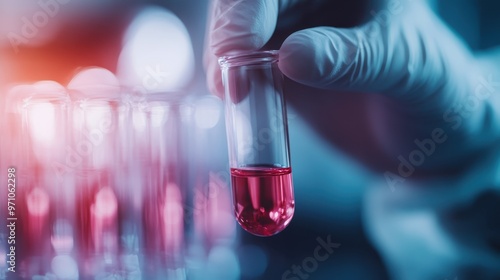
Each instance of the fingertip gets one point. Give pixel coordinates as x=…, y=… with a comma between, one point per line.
x=214, y=79
x=297, y=57
x=213, y=74
x=239, y=26
x=317, y=57
x=225, y=41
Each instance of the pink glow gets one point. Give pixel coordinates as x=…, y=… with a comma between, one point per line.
x=173, y=215
x=106, y=204
x=104, y=214
x=38, y=202
x=220, y=221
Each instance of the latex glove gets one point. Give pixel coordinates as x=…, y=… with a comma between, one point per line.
x=438, y=108
x=431, y=79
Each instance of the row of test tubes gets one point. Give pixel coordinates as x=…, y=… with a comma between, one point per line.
x=104, y=188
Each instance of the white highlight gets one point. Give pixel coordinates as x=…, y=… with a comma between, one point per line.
x=42, y=123
x=65, y=267
x=208, y=112
x=157, y=54
x=95, y=81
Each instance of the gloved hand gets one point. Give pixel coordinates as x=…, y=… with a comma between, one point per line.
x=437, y=109
x=436, y=88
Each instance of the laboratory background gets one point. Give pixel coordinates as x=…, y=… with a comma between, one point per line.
x=114, y=156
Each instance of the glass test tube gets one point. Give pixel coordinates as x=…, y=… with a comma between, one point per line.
x=47, y=192
x=95, y=159
x=257, y=132
x=212, y=209
x=158, y=134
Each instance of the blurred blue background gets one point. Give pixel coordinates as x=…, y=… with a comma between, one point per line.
x=329, y=186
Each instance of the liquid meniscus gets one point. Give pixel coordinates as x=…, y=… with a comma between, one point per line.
x=263, y=199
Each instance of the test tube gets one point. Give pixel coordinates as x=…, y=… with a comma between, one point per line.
x=96, y=162
x=159, y=154
x=44, y=193
x=257, y=133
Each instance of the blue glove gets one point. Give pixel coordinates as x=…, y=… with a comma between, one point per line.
x=440, y=111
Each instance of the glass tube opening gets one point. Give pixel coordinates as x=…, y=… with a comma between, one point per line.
x=246, y=59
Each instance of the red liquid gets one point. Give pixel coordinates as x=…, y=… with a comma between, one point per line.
x=263, y=199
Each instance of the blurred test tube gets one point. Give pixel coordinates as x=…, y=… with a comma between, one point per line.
x=45, y=193
x=159, y=138
x=157, y=61
x=97, y=158
x=214, y=226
